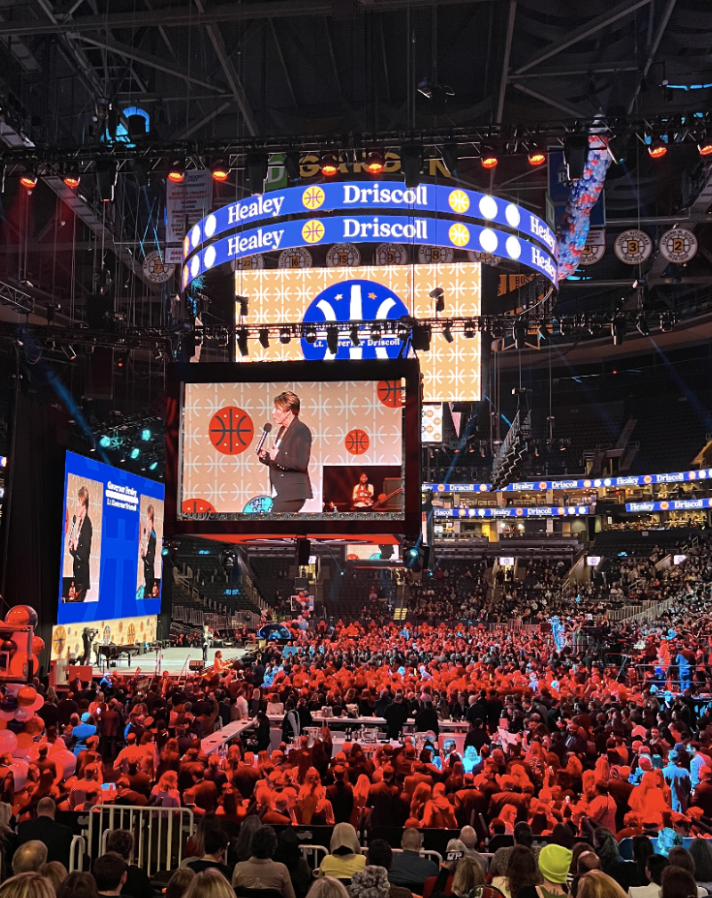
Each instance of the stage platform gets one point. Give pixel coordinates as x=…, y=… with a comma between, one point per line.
x=174, y=660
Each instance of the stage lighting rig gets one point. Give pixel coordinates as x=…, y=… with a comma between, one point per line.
x=256, y=164
x=489, y=158
x=220, y=170
x=242, y=342
x=657, y=149
x=264, y=337
x=176, y=171
x=411, y=164
x=439, y=296
x=329, y=165
x=375, y=163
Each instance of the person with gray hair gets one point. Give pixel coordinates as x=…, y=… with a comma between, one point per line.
x=409, y=869
x=29, y=858
x=468, y=837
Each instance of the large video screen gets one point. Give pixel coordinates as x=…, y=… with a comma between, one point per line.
x=451, y=371
x=319, y=442
x=112, y=537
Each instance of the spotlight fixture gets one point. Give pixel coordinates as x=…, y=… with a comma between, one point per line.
x=641, y=325
x=536, y=155
x=353, y=335
x=411, y=164
x=176, y=171
x=520, y=336
x=618, y=148
x=439, y=297
x=146, y=434
x=256, y=168
x=70, y=352
x=329, y=165
x=220, y=170
x=375, y=163
x=105, y=178
x=332, y=339
x=291, y=165
x=447, y=333
x=153, y=466
x=376, y=333
x=489, y=158
x=28, y=180
x=244, y=305
x=285, y=335
x=242, y=341
x=469, y=329
x=71, y=178
x=619, y=326
x=657, y=149
x=420, y=340
x=704, y=146
x=667, y=322
x=310, y=334
x=135, y=452
x=450, y=157
x=543, y=332
x=105, y=442
x=575, y=155
x=264, y=337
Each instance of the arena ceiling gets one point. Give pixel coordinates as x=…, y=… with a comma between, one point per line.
x=258, y=68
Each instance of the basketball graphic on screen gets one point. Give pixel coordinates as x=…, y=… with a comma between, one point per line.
x=231, y=430
x=59, y=638
x=197, y=506
x=356, y=300
x=389, y=392
x=357, y=442
x=131, y=635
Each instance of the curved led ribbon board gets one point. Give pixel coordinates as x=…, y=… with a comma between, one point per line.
x=369, y=229
x=536, y=512
x=356, y=198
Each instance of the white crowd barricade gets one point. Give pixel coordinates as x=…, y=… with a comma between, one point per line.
x=431, y=855
x=77, y=851
x=159, y=833
x=313, y=855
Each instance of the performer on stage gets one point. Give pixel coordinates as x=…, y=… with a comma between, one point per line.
x=362, y=493
x=148, y=552
x=88, y=636
x=288, y=459
x=206, y=642
x=80, y=545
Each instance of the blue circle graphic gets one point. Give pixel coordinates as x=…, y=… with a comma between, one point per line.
x=355, y=301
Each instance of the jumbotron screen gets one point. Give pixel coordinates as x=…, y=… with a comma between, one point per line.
x=378, y=293
x=298, y=441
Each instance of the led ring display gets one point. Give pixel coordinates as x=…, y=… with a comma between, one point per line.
x=370, y=229
x=353, y=198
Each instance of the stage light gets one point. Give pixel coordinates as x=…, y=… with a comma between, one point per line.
x=105, y=442
x=536, y=155
x=105, y=178
x=411, y=164
x=543, y=332
x=438, y=295
x=28, y=180
x=447, y=333
x=153, y=466
x=641, y=325
x=489, y=158
x=256, y=168
x=450, y=157
x=376, y=333
x=618, y=148
x=353, y=335
x=291, y=165
x=285, y=335
x=332, y=339
x=520, y=336
x=242, y=341
x=375, y=163
x=420, y=341
x=575, y=155
x=403, y=331
x=705, y=146
x=657, y=149
x=469, y=329
x=71, y=179
x=619, y=326
x=667, y=322
x=165, y=551
x=264, y=337
x=145, y=434
x=176, y=171
x=220, y=170
x=135, y=452
x=329, y=165
x=244, y=303
x=310, y=335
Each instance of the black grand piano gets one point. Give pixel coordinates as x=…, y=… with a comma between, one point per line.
x=111, y=653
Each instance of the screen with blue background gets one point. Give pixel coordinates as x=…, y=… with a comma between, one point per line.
x=112, y=536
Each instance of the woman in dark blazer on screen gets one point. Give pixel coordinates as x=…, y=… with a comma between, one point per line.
x=288, y=459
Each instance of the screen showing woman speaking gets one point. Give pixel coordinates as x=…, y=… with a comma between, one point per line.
x=273, y=449
x=112, y=537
